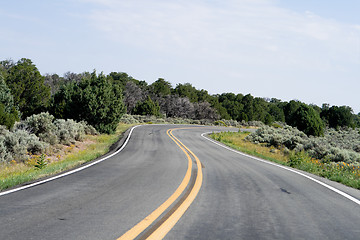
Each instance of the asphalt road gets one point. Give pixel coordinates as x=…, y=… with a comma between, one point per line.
x=239, y=198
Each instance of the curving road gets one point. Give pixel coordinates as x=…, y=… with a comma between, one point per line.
x=240, y=197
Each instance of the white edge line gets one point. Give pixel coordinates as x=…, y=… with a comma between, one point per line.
x=355, y=200
x=72, y=171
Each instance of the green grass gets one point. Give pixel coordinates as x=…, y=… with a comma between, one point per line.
x=344, y=173
x=18, y=173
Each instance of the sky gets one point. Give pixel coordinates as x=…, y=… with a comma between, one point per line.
x=306, y=50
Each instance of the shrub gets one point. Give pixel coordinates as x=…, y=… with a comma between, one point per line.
x=252, y=123
x=33, y=135
x=69, y=131
x=231, y=122
x=220, y=123
x=334, y=146
x=147, y=107
x=8, y=118
x=53, y=131
x=19, y=144
x=5, y=156
x=8, y=112
x=89, y=130
x=296, y=159
x=129, y=119
x=94, y=100
x=42, y=126
x=306, y=119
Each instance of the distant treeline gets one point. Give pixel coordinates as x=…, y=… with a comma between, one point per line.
x=101, y=100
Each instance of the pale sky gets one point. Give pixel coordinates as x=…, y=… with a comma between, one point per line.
x=307, y=50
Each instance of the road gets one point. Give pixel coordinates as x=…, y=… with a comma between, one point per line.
x=239, y=197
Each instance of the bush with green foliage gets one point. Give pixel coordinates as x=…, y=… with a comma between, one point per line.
x=27, y=86
x=147, y=107
x=8, y=112
x=306, y=119
x=338, y=117
x=95, y=100
x=161, y=87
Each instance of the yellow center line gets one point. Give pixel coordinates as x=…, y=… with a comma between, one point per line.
x=161, y=232
x=147, y=221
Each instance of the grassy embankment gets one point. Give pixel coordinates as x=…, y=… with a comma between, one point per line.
x=17, y=173
x=340, y=172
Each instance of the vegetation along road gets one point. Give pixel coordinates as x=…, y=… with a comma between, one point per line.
x=172, y=182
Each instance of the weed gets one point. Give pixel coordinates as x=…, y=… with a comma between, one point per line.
x=41, y=162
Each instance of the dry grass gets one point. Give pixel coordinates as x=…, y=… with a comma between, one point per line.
x=236, y=140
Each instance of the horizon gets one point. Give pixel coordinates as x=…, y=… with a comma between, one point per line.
x=267, y=48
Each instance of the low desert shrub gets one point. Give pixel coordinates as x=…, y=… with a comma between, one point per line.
x=42, y=126
x=68, y=131
x=334, y=146
x=19, y=144
x=34, y=135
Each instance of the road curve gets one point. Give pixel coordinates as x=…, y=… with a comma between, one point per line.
x=240, y=198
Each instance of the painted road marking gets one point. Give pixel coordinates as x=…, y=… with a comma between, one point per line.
x=72, y=171
x=161, y=232
x=165, y=227
x=351, y=198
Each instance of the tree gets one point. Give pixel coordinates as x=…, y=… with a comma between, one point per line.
x=27, y=86
x=8, y=112
x=316, y=108
x=175, y=106
x=260, y=107
x=248, y=102
x=203, y=110
x=54, y=81
x=120, y=78
x=75, y=77
x=161, y=87
x=268, y=119
x=203, y=96
x=132, y=94
x=95, y=100
x=222, y=111
x=147, y=107
x=276, y=112
x=289, y=110
x=186, y=90
x=356, y=120
x=233, y=106
x=340, y=117
x=306, y=119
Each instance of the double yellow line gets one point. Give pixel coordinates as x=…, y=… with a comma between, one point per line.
x=168, y=224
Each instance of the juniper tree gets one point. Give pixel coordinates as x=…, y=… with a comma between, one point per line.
x=27, y=86
x=95, y=100
x=8, y=112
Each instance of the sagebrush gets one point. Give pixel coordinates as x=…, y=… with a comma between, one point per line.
x=36, y=133
x=335, y=146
